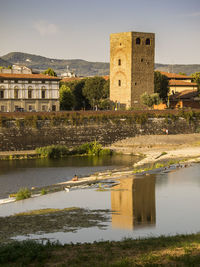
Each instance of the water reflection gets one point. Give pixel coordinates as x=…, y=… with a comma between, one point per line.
x=174, y=211
x=134, y=203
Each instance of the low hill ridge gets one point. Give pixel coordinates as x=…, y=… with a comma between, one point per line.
x=79, y=66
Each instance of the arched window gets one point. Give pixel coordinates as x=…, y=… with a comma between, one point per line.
x=119, y=62
x=1, y=93
x=138, y=41
x=30, y=92
x=119, y=82
x=43, y=92
x=147, y=41
x=16, y=92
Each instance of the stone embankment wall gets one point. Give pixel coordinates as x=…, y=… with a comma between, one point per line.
x=18, y=136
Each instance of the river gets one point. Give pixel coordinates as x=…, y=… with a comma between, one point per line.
x=164, y=203
x=15, y=174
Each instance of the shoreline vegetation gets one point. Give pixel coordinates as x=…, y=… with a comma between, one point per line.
x=179, y=250
x=58, y=151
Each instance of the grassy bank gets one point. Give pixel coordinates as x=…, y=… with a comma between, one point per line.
x=181, y=250
x=58, y=151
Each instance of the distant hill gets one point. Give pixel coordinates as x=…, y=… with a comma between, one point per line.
x=79, y=66
x=4, y=63
x=188, y=69
x=39, y=63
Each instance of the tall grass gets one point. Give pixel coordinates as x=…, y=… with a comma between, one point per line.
x=58, y=151
x=23, y=193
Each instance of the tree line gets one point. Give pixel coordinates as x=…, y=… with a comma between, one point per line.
x=93, y=92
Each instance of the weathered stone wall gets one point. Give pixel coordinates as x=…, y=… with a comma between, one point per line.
x=16, y=137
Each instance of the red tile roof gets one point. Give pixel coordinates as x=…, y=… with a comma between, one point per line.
x=27, y=76
x=175, y=75
x=71, y=79
x=181, y=83
x=106, y=77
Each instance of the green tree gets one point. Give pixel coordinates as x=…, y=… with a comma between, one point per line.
x=106, y=104
x=50, y=72
x=182, y=73
x=196, y=79
x=106, y=89
x=150, y=100
x=77, y=89
x=93, y=90
x=66, y=98
x=161, y=85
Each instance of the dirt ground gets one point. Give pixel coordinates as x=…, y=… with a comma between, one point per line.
x=153, y=146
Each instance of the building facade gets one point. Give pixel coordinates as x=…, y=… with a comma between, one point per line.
x=131, y=67
x=179, y=83
x=28, y=92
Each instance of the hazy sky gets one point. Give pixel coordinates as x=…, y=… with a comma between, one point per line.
x=72, y=29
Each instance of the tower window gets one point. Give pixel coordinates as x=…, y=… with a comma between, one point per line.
x=119, y=62
x=142, y=59
x=138, y=41
x=119, y=82
x=147, y=41
x=120, y=44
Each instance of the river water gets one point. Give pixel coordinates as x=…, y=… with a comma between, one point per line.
x=29, y=173
x=165, y=203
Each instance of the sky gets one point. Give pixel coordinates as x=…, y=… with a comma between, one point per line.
x=80, y=29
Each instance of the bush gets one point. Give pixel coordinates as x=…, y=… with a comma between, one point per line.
x=54, y=151
x=23, y=193
x=43, y=191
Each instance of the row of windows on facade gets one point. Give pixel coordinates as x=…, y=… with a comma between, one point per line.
x=138, y=41
x=17, y=81
x=30, y=108
x=16, y=94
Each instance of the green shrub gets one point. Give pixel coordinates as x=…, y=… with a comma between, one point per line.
x=54, y=151
x=44, y=191
x=23, y=193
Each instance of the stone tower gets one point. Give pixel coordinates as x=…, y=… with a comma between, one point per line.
x=131, y=67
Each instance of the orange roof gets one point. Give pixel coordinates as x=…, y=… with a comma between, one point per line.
x=175, y=75
x=181, y=83
x=27, y=76
x=106, y=77
x=71, y=79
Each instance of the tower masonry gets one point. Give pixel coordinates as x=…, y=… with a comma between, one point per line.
x=131, y=67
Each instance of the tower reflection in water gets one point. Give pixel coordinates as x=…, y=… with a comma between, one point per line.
x=133, y=203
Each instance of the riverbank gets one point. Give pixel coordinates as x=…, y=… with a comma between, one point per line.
x=156, y=148
x=180, y=250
